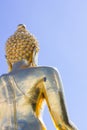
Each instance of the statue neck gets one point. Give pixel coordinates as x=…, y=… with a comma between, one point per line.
x=21, y=65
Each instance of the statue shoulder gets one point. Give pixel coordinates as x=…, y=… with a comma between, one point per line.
x=48, y=68
x=36, y=70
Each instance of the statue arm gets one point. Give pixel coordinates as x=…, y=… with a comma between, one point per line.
x=53, y=94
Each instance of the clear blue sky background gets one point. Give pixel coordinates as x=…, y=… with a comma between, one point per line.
x=61, y=29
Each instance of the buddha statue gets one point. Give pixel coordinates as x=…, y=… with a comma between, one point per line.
x=26, y=86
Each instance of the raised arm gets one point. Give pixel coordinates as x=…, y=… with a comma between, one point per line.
x=53, y=94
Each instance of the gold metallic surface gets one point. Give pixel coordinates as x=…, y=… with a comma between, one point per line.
x=23, y=91
x=21, y=46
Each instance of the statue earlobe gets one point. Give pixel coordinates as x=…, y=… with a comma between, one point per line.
x=33, y=57
x=9, y=64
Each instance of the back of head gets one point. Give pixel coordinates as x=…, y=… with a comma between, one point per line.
x=21, y=45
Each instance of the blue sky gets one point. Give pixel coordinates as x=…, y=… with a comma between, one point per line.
x=61, y=29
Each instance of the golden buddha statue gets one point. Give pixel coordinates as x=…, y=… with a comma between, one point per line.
x=26, y=86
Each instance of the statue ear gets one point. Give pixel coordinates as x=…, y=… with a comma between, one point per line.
x=9, y=64
x=33, y=57
x=34, y=52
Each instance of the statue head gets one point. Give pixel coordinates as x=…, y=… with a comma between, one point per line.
x=21, y=46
